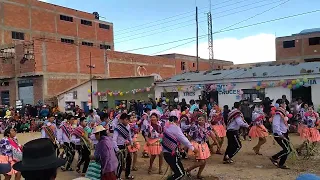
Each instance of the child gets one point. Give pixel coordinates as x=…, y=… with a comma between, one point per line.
x=218, y=126
x=134, y=134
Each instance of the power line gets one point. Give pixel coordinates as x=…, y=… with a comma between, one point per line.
x=243, y=20
x=166, y=30
x=156, y=23
x=241, y=27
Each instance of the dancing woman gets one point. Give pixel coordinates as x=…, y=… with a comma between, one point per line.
x=153, y=146
x=218, y=126
x=199, y=133
x=258, y=130
x=134, y=128
x=310, y=133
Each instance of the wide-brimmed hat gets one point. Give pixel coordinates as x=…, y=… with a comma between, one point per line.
x=5, y=168
x=98, y=129
x=38, y=154
x=257, y=100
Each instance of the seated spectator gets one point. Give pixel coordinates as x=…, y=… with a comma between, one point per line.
x=39, y=161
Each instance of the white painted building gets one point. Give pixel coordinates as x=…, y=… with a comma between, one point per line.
x=243, y=84
x=77, y=95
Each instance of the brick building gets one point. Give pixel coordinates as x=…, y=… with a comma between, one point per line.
x=301, y=47
x=45, y=49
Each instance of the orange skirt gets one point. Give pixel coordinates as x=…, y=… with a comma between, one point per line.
x=311, y=134
x=154, y=147
x=258, y=131
x=204, y=152
x=300, y=128
x=220, y=130
x=6, y=159
x=132, y=149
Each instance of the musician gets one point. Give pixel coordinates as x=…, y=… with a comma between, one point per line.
x=80, y=139
x=235, y=121
x=64, y=137
x=49, y=130
x=121, y=138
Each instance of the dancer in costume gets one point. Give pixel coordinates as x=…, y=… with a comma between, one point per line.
x=301, y=123
x=258, y=130
x=121, y=138
x=153, y=146
x=172, y=137
x=310, y=133
x=64, y=137
x=218, y=126
x=80, y=137
x=185, y=125
x=235, y=121
x=49, y=130
x=144, y=131
x=199, y=133
x=280, y=132
x=134, y=128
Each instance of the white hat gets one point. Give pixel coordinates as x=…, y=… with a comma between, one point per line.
x=257, y=100
x=98, y=129
x=173, y=113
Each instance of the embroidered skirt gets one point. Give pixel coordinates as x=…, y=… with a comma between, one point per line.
x=154, y=147
x=204, y=152
x=132, y=149
x=5, y=160
x=258, y=131
x=220, y=130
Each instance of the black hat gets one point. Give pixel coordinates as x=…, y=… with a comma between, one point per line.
x=38, y=154
x=5, y=168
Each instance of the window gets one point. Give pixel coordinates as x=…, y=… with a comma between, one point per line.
x=66, y=18
x=69, y=41
x=4, y=83
x=103, y=46
x=85, y=22
x=87, y=43
x=183, y=66
x=17, y=35
x=289, y=44
x=193, y=64
x=252, y=94
x=314, y=41
x=5, y=98
x=104, y=26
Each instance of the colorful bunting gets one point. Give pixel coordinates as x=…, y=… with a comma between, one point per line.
x=121, y=93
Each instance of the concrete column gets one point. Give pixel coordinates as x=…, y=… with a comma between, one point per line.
x=1, y=22
x=78, y=62
x=44, y=57
x=44, y=86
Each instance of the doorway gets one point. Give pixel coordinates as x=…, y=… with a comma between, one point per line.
x=304, y=93
x=208, y=95
x=85, y=107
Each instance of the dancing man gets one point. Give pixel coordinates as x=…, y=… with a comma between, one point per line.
x=49, y=130
x=64, y=137
x=172, y=137
x=280, y=132
x=235, y=121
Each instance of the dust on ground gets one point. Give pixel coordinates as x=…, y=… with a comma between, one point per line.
x=247, y=165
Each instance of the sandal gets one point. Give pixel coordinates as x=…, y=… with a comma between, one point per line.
x=274, y=162
x=219, y=152
x=160, y=172
x=134, y=169
x=200, y=177
x=78, y=170
x=149, y=170
x=227, y=161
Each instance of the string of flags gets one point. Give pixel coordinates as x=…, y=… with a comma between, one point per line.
x=207, y=87
x=120, y=92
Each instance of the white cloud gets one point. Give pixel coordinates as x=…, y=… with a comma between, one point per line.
x=256, y=48
x=44, y=0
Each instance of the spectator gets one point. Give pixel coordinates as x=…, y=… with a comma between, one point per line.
x=226, y=111
x=39, y=161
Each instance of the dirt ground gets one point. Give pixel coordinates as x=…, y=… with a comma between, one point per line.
x=247, y=165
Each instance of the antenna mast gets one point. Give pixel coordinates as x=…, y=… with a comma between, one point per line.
x=210, y=37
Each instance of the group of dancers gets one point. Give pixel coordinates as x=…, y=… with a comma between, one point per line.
x=173, y=134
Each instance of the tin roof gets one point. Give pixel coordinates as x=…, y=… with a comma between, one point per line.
x=252, y=72
x=309, y=31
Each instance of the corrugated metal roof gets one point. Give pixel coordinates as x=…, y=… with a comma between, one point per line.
x=254, y=72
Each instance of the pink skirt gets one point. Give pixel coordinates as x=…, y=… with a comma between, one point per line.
x=220, y=130
x=311, y=134
x=132, y=149
x=6, y=159
x=258, y=131
x=154, y=147
x=204, y=152
x=300, y=128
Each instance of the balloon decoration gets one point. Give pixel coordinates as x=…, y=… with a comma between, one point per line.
x=121, y=93
x=290, y=83
x=176, y=100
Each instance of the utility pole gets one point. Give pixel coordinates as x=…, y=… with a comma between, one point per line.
x=210, y=38
x=197, y=29
x=91, y=89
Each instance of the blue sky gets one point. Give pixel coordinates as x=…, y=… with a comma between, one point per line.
x=128, y=15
